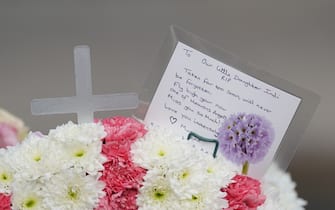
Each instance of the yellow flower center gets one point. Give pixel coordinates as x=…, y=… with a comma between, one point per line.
x=79, y=153
x=184, y=175
x=73, y=193
x=37, y=158
x=159, y=194
x=5, y=177
x=161, y=153
x=194, y=197
x=30, y=203
x=210, y=170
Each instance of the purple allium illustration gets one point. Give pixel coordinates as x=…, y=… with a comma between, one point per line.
x=245, y=138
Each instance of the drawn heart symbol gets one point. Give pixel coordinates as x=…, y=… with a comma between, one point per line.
x=173, y=119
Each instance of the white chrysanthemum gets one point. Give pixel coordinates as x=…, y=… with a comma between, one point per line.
x=27, y=196
x=180, y=171
x=280, y=191
x=81, y=144
x=159, y=148
x=187, y=180
x=6, y=172
x=84, y=157
x=36, y=157
x=208, y=197
x=156, y=193
x=220, y=170
x=199, y=179
x=84, y=133
x=70, y=190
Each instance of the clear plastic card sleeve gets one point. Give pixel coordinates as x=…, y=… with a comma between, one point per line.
x=301, y=115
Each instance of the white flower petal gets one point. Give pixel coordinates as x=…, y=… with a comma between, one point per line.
x=280, y=192
x=70, y=190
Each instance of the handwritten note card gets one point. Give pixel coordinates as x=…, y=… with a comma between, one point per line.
x=197, y=93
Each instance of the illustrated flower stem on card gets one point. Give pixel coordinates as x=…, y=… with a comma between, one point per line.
x=200, y=138
x=245, y=138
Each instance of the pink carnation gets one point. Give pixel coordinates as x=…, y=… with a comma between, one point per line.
x=8, y=135
x=4, y=202
x=244, y=193
x=125, y=200
x=115, y=151
x=121, y=133
x=122, y=129
x=122, y=177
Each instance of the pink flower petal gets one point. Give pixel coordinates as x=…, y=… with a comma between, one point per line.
x=8, y=135
x=122, y=177
x=244, y=193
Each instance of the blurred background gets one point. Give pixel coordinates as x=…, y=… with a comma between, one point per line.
x=292, y=39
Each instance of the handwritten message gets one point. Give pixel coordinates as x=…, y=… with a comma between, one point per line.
x=197, y=93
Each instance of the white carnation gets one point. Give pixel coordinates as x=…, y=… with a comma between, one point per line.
x=280, y=191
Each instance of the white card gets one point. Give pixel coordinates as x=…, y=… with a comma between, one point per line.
x=197, y=93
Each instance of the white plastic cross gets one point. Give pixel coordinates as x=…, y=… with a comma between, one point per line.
x=84, y=103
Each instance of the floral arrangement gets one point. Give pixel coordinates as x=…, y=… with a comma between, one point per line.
x=119, y=163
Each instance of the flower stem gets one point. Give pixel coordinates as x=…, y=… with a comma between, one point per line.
x=245, y=168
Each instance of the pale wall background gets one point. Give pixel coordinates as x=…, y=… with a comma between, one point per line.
x=293, y=39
